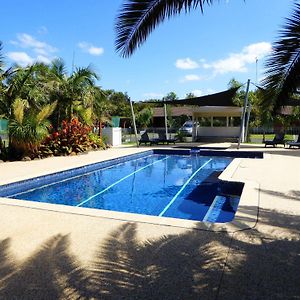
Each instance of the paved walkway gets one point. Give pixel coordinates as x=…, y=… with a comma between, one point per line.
x=48, y=254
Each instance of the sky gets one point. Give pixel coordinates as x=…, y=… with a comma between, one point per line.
x=191, y=53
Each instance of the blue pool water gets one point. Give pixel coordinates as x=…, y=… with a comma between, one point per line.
x=178, y=186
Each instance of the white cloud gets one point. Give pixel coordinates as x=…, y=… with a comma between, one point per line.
x=199, y=93
x=192, y=77
x=91, y=49
x=186, y=64
x=27, y=41
x=237, y=62
x=43, y=51
x=21, y=58
x=43, y=59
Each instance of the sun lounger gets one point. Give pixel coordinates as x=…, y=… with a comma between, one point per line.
x=294, y=143
x=146, y=140
x=278, y=140
x=163, y=139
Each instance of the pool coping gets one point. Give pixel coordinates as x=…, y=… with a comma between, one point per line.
x=249, y=201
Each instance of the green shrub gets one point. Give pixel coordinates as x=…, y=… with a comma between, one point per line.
x=72, y=138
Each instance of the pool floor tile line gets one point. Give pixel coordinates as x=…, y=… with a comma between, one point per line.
x=182, y=188
x=117, y=182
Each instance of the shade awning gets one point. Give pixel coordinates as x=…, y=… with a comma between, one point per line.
x=224, y=98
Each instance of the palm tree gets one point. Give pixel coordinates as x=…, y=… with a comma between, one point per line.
x=283, y=65
x=138, y=18
x=69, y=91
x=28, y=127
x=102, y=109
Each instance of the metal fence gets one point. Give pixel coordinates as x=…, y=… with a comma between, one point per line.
x=128, y=135
x=271, y=130
x=4, y=131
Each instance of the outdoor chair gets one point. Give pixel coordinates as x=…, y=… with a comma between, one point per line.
x=278, y=140
x=294, y=143
x=145, y=139
x=163, y=139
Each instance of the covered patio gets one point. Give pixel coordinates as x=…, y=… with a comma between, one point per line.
x=215, y=117
x=216, y=122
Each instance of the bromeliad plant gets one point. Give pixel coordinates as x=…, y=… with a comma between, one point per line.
x=73, y=137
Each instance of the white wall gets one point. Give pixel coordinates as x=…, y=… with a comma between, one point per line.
x=113, y=134
x=218, y=131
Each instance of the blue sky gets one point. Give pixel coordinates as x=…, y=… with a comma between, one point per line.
x=188, y=53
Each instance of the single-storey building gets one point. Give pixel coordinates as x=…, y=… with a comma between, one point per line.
x=214, y=116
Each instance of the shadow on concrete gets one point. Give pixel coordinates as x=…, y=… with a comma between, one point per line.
x=286, y=152
x=295, y=152
x=6, y=263
x=176, y=266
x=292, y=194
x=263, y=266
x=185, y=266
x=50, y=273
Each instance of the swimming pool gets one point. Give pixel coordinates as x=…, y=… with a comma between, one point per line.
x=166, y=185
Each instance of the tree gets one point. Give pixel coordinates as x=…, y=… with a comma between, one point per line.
x=102, y=109
x=190, y=95
x=120, y=102
x=69, y=90
x=138, y=18
x=170, y=97
x=28, y=127
x=240, y=94
x=14, y=82
x=283, y=65
x=144, y=117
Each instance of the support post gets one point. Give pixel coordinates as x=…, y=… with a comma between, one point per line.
x=242, y=130
x=247, y=121
x=166, y=120
x=134, y=125
x=193, y=128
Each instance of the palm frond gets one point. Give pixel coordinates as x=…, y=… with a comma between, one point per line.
x=58, y=68
x=86, y=115
x=1, y=58
x=83, y=76
x=18, y=81
x=283, y=65
x=138, y=18
x=19, y=106
x=45, y=112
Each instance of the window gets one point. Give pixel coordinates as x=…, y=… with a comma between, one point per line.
x=219, y=121
x=235, y=121
x=204, y=121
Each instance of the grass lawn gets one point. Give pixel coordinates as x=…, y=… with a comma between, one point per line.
x=257, y=138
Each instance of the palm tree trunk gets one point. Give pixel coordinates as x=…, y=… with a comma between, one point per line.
x=100, y=129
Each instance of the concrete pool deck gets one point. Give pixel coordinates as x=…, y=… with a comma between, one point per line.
x=50, y=254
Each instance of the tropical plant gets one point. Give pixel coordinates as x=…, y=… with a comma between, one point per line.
x=144, y=117
x=13, y=84
x=120, y=103
x=170, y=97
x=102, y=110
x=27, y=127
x=72, y=137
x=71, y=91
x=283, y=65
x=138, y=18
x=190, y=95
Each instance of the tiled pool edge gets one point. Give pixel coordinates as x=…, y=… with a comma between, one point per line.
x=249, y=200
x=71, y=172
